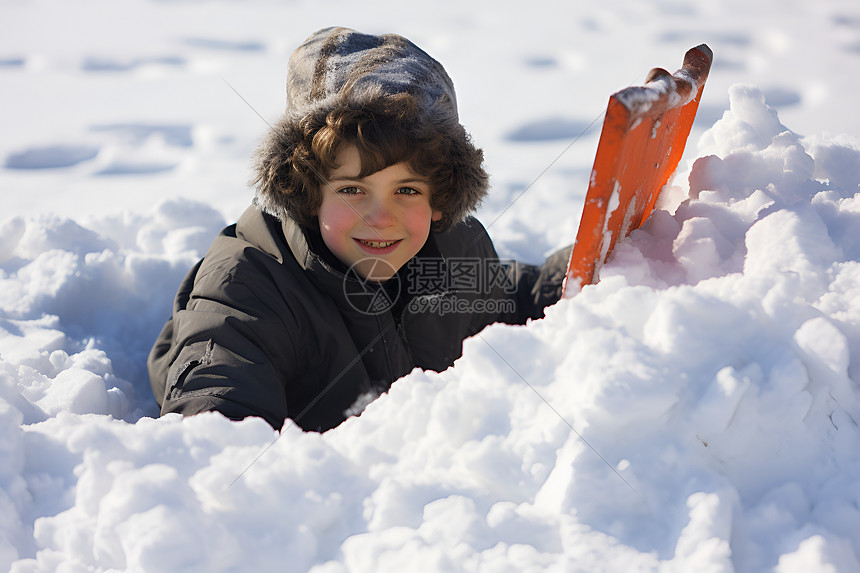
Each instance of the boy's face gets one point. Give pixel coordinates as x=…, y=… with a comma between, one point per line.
x=375, y=224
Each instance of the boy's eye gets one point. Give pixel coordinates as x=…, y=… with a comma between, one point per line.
x=349, y=190
x=408, y=191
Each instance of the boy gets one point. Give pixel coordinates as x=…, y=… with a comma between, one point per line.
x=357, y=261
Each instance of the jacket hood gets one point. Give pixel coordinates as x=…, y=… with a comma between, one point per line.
x=338, y=66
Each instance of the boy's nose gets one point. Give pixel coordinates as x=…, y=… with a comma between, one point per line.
x=379, y=214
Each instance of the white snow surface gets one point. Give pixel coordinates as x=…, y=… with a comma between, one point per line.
x=697, y=410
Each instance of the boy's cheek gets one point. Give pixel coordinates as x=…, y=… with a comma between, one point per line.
x=335, y=216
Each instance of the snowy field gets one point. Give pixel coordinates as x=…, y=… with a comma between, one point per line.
x=695, y=411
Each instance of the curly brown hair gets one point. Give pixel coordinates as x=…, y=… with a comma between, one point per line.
x=297, y=157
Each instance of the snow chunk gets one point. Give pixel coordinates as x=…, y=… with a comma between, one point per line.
x=818, y=553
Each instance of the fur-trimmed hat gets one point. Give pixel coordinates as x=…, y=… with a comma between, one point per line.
x=335, y=67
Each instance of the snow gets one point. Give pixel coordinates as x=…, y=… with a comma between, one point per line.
x=697, y=410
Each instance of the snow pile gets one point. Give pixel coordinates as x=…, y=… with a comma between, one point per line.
x=70, y=296
x=695, y=411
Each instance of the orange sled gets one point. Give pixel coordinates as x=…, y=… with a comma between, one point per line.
x=644, y=134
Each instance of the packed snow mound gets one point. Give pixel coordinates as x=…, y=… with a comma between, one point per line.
x=696, y=410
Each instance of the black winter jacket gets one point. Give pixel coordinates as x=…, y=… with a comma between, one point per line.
x=267, y=326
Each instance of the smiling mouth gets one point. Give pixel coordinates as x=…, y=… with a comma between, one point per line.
x=378, y=244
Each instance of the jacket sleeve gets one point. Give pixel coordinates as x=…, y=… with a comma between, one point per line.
x=530, y=287
x=158, y=361
x=224, y=349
